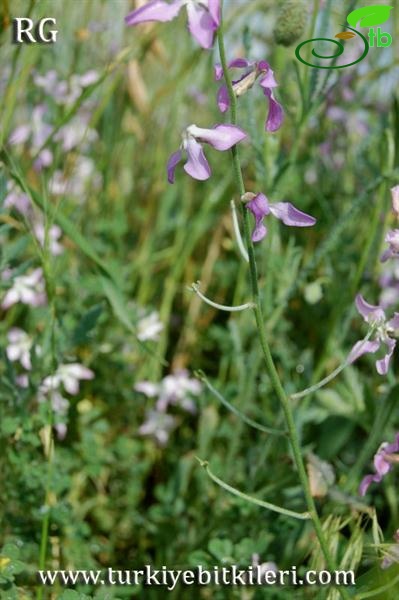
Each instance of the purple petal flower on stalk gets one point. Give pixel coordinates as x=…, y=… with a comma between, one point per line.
x=383, y=330
x=256, y=70
x=19, y=346
x=26, y=289
x=220, y=137
x=383, y=460
x=203, y=17
x=392, y=238
x=286, y=212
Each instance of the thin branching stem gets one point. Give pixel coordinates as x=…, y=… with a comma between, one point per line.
x=268, y=359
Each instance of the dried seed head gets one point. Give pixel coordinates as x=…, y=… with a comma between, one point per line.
x=291, y=21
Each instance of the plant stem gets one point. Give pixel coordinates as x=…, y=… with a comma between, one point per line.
x=270, y=366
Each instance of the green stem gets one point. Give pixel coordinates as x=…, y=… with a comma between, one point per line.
x=270, y=366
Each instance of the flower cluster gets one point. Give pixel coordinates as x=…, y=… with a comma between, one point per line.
x=176, y=389
x=66, y=378
x=383, y=330
x=39, y=135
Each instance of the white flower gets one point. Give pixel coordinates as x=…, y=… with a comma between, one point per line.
x=27, y=289
x=54, y=234
x=158, y=425
x=19, y=347
x=149, y=327
x=174, y=389
x=69, y=376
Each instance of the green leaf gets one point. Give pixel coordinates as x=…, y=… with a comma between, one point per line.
x=222, y=549
x=86, y=324
x=369, y=16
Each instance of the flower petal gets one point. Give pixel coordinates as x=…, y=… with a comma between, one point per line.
x=394, y=322
x=361, y=348
x=368, y=310
x=381, y=465
x=196, y=166
x=268, y=80
x=173, y=161
x=239, y=63
x=289, y=215
x=259, y=207
x=275, y=115
x=223, y=99
x=220, y=137
x=157, y=10
x=382, y=365
x=218, y=72
x=214, y=10
x=201, y=25
x=366, y=481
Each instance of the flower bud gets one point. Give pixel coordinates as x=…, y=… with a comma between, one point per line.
x=247, y=197
x=291, y=21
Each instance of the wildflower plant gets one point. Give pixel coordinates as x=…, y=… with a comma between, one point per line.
x=198, y=268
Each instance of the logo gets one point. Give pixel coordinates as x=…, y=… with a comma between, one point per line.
x=22, y=31
x=369, y=16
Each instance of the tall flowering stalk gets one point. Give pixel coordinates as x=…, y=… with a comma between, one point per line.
x=268, y=359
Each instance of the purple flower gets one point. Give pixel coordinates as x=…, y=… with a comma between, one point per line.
x=383, y=460
x=254, y=70
x=220, y=137
x=260, y=207
x=392, y=238
x=389, y=284
x=203, y=17
x=383, y=329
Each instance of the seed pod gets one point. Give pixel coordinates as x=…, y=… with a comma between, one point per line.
x=290, y=23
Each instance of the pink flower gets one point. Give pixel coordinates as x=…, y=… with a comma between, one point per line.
x=254, y=70
x=175, y=389
x=286, y=212
x=392, y=238
x=54, y=233
x=383, y=461
x=26, y=289
x=220, y=137
x=383, y=330
x=203, y=17
x=19, y=346
x=69, y=376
